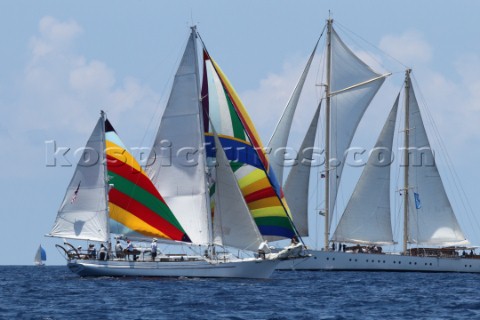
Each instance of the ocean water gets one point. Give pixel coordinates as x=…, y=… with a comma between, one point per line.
x=53, y=292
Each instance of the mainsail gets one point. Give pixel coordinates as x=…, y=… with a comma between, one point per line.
x=137, y=210
x=243, y=146
x=353, y=85
x=367, y=217
x=431, y=219
x=83, y=213
x=177, y=161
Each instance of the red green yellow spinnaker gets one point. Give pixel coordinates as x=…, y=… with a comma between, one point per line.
x=136, y=206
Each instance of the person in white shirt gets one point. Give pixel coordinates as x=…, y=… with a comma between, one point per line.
x=119, y=250
x=131, y=250
x=154, y=248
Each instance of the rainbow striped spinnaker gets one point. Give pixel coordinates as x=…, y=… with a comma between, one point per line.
x=136, y=207
x=244, y=148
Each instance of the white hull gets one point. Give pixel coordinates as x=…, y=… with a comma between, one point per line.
x=346, y=261
x=247, y=268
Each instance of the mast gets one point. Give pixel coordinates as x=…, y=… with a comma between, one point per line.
x=327, y=134
x=105, y=175
x=202, y=132
x=405, y=160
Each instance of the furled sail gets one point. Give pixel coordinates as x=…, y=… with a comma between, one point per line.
x=177, y=161
x=431, y=219
x=136, y=207
x=367, y=218
x=297, y=184
x=279, y=139
x=244, y=148
x=83, y=213
x=232, y=221
x=353, y=85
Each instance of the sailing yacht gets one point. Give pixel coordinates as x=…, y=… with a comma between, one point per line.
x=187, y=196
x=40, y=256
x=432, y=237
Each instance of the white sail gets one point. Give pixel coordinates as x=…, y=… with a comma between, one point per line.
x=279, y=139
x=367, y=218
x=233, y=223
x=353, y=85
x=177, y=161
x=431, y=219
x=298, y=180
x=84, y=212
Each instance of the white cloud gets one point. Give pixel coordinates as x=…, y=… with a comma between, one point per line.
x=267, y=102
x=410, y=47
x=94, y=76
x=60, y=94
x=63, y=90
x=54, y=36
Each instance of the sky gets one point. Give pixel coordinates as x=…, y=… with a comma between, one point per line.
x=62, y=62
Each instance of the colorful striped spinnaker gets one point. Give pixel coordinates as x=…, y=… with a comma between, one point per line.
x=136, y=207
x=244, y=148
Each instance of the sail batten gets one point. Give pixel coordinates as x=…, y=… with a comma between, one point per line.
x=360, y=84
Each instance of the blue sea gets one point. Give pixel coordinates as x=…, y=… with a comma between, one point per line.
x=53, y=292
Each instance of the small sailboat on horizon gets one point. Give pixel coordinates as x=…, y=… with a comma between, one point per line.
x=40, y=256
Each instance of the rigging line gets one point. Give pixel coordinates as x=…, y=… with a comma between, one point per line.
x=151, y=119
x=159, y=103
x=306, y=70
x=343, y=27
